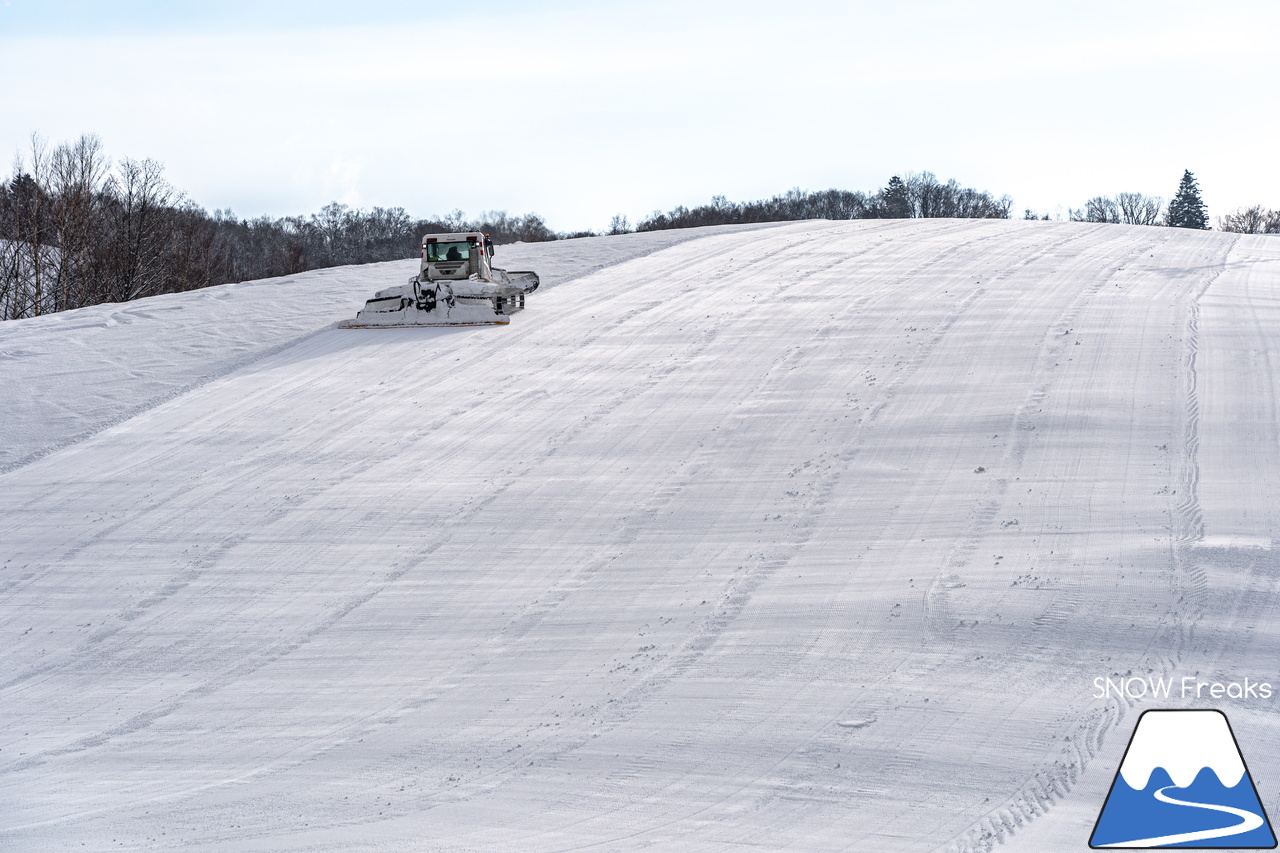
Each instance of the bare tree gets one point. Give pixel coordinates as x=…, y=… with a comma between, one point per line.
x=1125, y=208
x=1139, y=209
x=140, y=202
x=1100, y=208
x=1251, y=220
x=928, y=198
x=31, y=255
x=334, y=223
x=456, y=220
x=75, y=184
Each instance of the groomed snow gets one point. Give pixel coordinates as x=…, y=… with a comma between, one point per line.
x=813, y=536
x=70, y=375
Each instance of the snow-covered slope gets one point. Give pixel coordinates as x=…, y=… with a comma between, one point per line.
x=813, y=536
x=70, y=375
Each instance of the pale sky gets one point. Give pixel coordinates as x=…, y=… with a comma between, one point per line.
x=580, y=110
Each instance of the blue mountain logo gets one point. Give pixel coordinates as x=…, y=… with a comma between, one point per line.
x=1183, y=783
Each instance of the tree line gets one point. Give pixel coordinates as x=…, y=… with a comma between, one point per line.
x=77, y=229
x=1185, y=210
x=918, y=195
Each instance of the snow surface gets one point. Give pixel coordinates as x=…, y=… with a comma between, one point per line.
x=810, y=537
x=69, y=375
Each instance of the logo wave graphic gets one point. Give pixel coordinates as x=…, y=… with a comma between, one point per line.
x=1183, y=783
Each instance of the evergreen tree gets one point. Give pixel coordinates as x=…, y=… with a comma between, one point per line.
x=897, y=201
x=1187, y=209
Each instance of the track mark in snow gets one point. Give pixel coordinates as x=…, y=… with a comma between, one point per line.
x=448, y=590
x=1168, y=648
x=128, y=414
x=856, y=724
